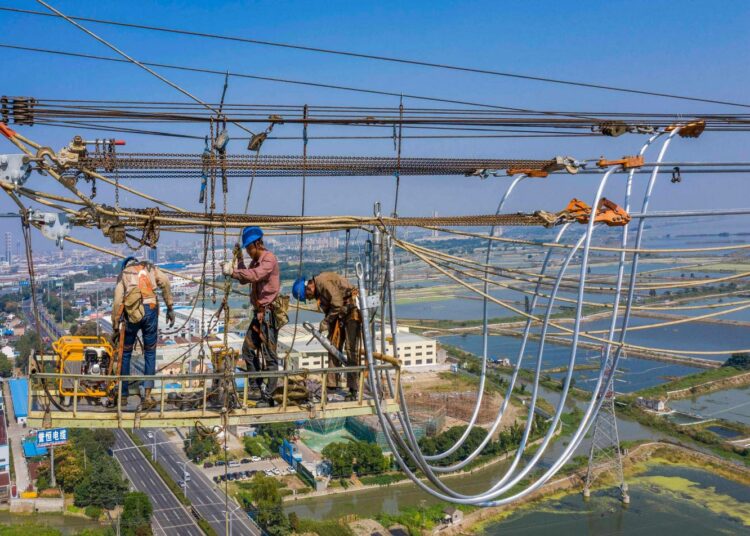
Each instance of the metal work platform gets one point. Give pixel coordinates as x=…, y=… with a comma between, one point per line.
x=187, y=399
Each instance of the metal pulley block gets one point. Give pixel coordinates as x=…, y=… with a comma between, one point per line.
x=611, y=128
x=54, y=225
x=14, y=168
x=221, y=141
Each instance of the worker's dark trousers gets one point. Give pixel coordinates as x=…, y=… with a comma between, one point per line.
x=149, y=326
x=259, y=354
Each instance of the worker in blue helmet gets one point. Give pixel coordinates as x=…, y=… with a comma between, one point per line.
x=336, y=298
x=263, y=276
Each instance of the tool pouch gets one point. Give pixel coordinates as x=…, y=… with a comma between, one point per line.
x=133, y=303
x=280, y=309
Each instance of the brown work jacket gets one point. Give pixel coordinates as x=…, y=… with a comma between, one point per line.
x=333, y=293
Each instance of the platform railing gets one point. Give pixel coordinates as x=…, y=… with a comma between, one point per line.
x=48, y=407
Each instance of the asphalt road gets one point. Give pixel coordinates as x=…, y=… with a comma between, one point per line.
x=170, y=517
x=202, y=492
x=48, y=328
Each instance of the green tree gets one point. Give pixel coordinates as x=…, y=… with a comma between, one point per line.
x=68, y=468
x=294, y=521
x=277, y=433
x=102, y=485
x=269, y=512
x=340, y=456
x=738, y=361
x=198, y=447
x=6, y=367
x=136, y=514
x=252, y=446
x=26, y=343
x=368, y=458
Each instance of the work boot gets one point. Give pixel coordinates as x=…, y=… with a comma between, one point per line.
x=352, y=396
x=266, y=400
x=146, y=404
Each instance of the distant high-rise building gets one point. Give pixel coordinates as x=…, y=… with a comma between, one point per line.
x=153, y=255
x=8, y=246
x=18, y=249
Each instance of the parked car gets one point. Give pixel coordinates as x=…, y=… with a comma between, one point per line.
x=234, y=463
x=217, y=479
x=248, y=474
x=267, y=472
x=220, y=463
x=245, y=460
x=255, y=458
x=186, y=476
x=230, y=477
x=291, y=470
x=276, y=471
x=207, y=465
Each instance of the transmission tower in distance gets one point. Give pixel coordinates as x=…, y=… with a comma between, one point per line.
x=605, y=455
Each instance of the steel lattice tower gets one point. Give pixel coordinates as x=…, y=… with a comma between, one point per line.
x=605, y=455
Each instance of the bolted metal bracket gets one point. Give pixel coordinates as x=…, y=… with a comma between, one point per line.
x=53, y=225
x=372, y=300
x=14, y=168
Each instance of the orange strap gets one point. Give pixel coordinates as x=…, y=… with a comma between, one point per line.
x=144, y=284
x=6, y=131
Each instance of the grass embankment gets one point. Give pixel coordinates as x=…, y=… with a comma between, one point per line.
x=697, y=435
x=674, y=456
x=417, y=519
x=382, y=480
x=693, y=383
x=171, y=484
x=323, y=528
x=642, y=458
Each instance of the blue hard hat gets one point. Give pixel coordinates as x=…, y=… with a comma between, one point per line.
x=250, y=235
x=298, y=290
x=125, y=262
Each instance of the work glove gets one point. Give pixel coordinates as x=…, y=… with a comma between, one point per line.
x=324, y=326
x=170, y=317
x=227, y=268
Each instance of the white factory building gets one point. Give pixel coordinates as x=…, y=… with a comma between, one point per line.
x=189, y=322
x=416, y=352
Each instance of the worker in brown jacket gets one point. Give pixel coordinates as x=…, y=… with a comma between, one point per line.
x=336, y=298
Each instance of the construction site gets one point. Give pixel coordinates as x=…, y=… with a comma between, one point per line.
x=571, y=254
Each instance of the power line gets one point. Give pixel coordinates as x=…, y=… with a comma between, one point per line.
x=389, y=59
x=132, y=60
x=274, y=79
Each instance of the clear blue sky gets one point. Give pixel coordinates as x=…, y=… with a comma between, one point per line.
x=689, y=47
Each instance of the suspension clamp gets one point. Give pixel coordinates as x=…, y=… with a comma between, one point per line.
x=607, y=212
x=54, y=225
x=14, y=168
x=627, y=162
x=690, y=130
x=533, y=173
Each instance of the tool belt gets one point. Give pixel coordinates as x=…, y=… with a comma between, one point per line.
x=279, y=308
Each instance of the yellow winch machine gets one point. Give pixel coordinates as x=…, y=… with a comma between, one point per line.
x=89, y=356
